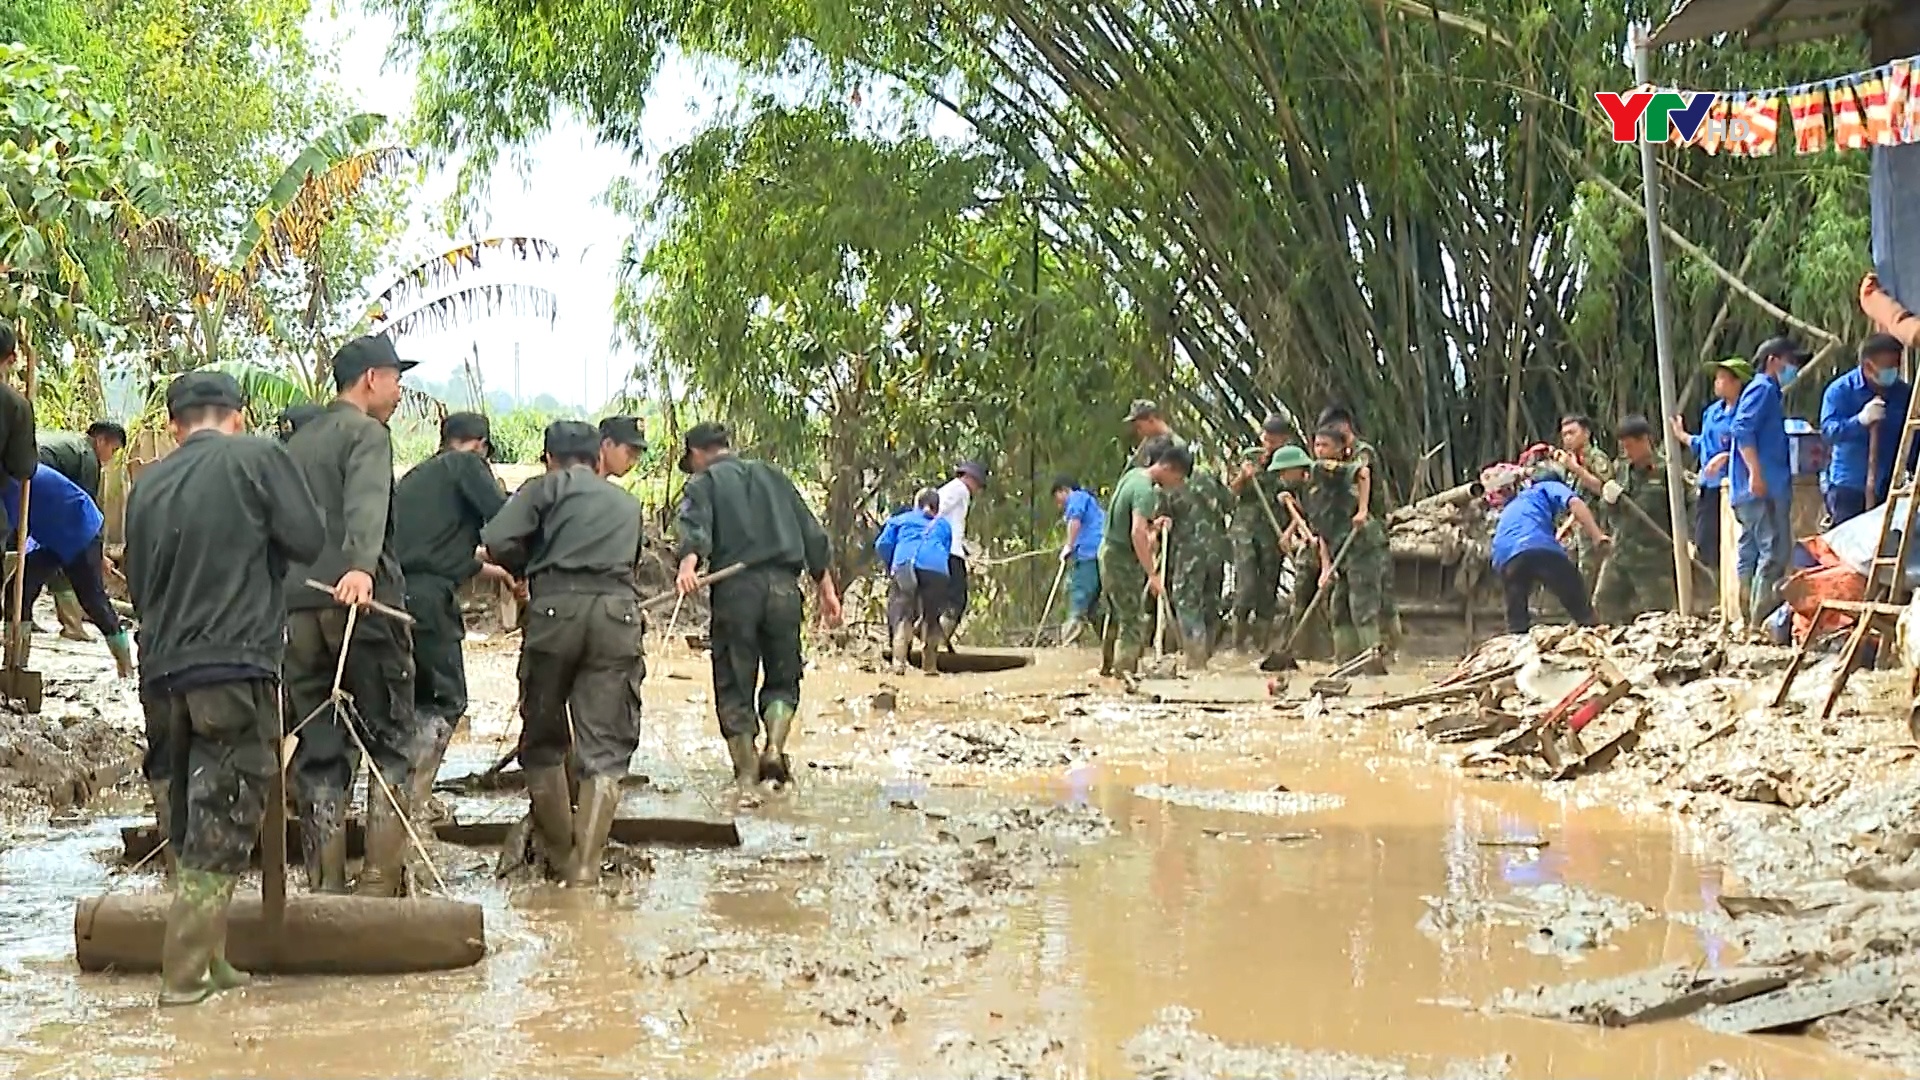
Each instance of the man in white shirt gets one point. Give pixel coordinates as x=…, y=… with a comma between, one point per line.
x=955, y=497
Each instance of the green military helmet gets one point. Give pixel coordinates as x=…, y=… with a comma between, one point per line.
x=1289, y=457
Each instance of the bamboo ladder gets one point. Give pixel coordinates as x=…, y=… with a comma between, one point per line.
x=1886, y=593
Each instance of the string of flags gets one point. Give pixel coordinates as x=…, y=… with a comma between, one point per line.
x=1879, y=107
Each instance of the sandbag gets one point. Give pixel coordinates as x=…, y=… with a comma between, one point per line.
x=322, y=935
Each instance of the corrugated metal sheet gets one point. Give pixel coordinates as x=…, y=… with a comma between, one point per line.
x=1769, y=21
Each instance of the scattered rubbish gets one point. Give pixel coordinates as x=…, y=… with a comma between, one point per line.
x=1269, y=803
x=1664, y=993
x=1514, y=842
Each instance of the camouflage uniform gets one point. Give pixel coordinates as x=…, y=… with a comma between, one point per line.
x=1256, y=557
x=1585, y=556
x=1123, y=581
x=1391, y=631
x=1638, y=576
x=1332, y=499
x=1197, y=562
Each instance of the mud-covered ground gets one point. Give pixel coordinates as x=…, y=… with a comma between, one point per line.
x=1026, y=874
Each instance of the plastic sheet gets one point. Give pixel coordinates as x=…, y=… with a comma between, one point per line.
x=1853, y=542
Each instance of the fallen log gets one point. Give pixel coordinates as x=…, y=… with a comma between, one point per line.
x=1808, y=1000
x=139, y=841
x=321, y=935
x=973, y=661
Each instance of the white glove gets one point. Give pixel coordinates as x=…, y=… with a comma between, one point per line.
x=1874, y=411
x=1611, y=491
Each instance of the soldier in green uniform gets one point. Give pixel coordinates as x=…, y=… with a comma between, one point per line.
x=446, y=499
x=1364, y=452
x=1256, y=544
x=79, y=458
x=210, y=529
x=736, y=511
x=1337, y=497
x=1197, y=557
x=346, y=456
x=621, y=443
x=575, y=538
x=1577, y=448
x=1638, y=574
x=1129, y=569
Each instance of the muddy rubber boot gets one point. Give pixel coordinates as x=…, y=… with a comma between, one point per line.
x=73, y=620
x=553, y=817
x=599, y=799
x=223, y=975
x=775, y=769
x=746, y=761
x=383, y=871
x=1346, y=644
x=1071, y=630
x=161, y=792
x=1198, y=647
x=902, y=646
x=193, y=929
x=930, y=655
x=121, y=646
x=1126, y=660
x=1746, y=599
x=1237, y=636
x=323, y=843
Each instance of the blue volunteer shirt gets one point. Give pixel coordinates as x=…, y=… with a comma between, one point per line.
x=1085, y=509
x=1715, y=438
x=1526, y=523
x=1760, y=422
x=60, y=516
x=1847, y=438
x=911, y=537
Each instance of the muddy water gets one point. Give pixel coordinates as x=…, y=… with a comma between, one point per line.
x=1308, y=927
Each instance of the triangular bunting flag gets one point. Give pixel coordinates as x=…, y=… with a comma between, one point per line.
x=1809, y=119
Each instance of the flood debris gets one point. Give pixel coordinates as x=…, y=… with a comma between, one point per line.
x=1555, y=920
x=60, y=764
x=1016, y=1055
x=1807, y=1000
x=1268, y=803
x=1670, y=992
x=994, y=745
x=1171, y=1049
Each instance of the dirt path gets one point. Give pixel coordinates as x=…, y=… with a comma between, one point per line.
x=1025, y=874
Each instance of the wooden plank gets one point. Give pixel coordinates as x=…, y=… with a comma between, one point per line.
x=1807, y=1001
x=1463, y=688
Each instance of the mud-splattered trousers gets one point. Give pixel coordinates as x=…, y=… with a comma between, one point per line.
x=1256, y=570
x=440, y=670
x=379, y=677
x=1359, y=588
x=582, y=654
x=1123, y=589
x=217, y=753
x=755, y=640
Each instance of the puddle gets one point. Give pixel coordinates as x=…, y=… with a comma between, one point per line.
x=1008, y=938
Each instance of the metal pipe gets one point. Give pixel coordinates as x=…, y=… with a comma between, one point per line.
x=1663, y=335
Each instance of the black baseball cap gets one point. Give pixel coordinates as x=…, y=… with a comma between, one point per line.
x=1779, y=346
x=198, y=389
x=973, y=469
x=572, y=438
x=703, y=436
x=465, y=425
x=364, y=354
x=624, y=430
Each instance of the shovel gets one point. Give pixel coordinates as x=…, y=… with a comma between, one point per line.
x=1283, y=660
x=1052, y=595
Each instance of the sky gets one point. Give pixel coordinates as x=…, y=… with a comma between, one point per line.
x=577, y=358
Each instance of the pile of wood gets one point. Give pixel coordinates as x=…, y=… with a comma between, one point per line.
x=1450, y=527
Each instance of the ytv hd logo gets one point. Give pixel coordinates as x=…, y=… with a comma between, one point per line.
x=1658, y=116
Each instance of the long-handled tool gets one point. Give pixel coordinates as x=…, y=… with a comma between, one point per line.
x=1163, y=609
x=1873, y=466
x=16, y=682
x=1052, y=595
x=388, y=610
x=1646, y=520
x=1283, y=660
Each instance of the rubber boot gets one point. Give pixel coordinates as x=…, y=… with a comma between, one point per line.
x=1242, y=630
x=223, y=975
x=193, y=932
x=774, y=767
x=930, y=654
x=1745, y=601
x=121, y=646
x=1126, y=660
x=1198, y=647
x=73, y=620
x=1070, y=632
x=746, y=761
x=1346, y=644
x=599, y=798
x=554, y=821
x=162, y=791
x=383, y=871
x=902, y=645
x=426, y=769
x=323, y=842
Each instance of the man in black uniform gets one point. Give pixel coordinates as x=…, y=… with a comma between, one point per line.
x=18, y=454
x=79, y=458
x=346, y=456
x=447, y=498
x=621, y=444
x=575, y=538
x=210, y=531
x=749, y=512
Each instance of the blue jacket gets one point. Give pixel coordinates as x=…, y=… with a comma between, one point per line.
x=1760, y=422
x=1847, y=438
x=1526, y=522
x=911, y=537
x=60, y=516
x=1085, y=509
x=1716, y=436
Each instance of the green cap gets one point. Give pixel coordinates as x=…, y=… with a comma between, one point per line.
x=1736, y=366
x=1289, y=457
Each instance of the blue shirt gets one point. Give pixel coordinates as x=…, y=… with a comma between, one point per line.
x=1847, y=438
x=60, y=516
x=911, y=537
x=1526, y=523
x=1085, y=509
x=1760, y=422
x=1715, y=438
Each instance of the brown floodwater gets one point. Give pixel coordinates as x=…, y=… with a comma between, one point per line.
x=1302, y=929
